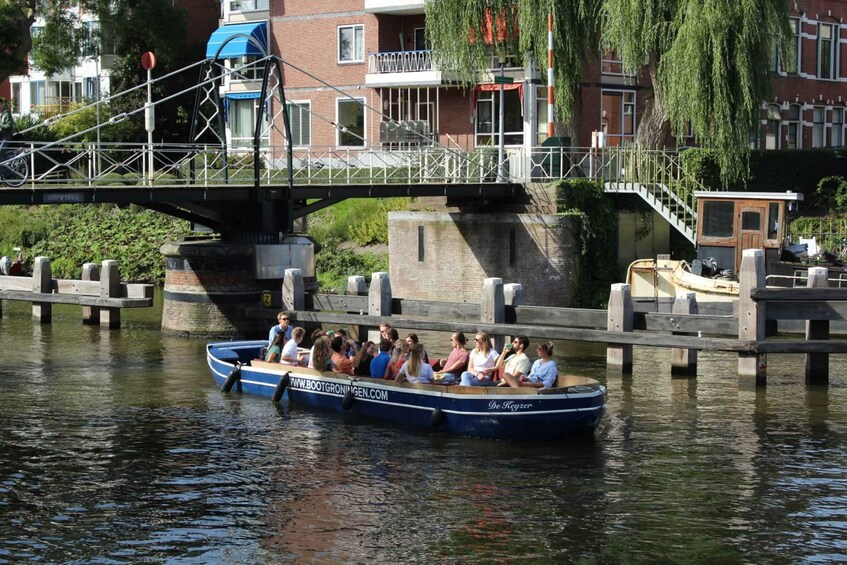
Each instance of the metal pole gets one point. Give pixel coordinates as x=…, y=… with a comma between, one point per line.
x=501, y=146
x=150, y=124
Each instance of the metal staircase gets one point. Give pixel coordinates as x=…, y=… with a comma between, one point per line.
x=658, y=178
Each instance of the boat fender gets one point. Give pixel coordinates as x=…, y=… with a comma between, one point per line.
x=436, y=418
x=234, y=377
x=281, y=386
x=347, y=401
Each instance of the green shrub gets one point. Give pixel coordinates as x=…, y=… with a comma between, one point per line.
x=334, y=265
x=831, y=194
x=594, y=213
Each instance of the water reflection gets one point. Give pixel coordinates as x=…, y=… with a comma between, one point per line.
x=116, y=447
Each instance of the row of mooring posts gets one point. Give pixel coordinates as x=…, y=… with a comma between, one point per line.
x=100, y=292
x=752, y=323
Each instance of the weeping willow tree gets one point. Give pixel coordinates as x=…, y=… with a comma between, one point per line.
x=466, y=33
x=708, y=60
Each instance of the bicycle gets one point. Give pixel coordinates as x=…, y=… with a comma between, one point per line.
x=14, y=168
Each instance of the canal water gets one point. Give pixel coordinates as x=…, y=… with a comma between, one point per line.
x=117, y=448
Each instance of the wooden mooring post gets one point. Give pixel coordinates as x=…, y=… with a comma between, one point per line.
x=620, y=318
x=751, y=314
x=684, y=361
x=357, y=286
x=42, y=283
x=817, y=364
x=90, y=314
x=379, y=300
x=492, y=306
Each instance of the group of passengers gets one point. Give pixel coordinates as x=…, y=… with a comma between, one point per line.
x=406, y=360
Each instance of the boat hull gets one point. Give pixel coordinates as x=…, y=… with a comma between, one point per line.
x=488, y=412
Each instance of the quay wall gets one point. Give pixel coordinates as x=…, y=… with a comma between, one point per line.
x=445, y=255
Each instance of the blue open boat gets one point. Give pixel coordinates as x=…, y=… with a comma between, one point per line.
x=572, y=408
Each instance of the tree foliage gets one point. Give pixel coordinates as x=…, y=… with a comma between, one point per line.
x=708, y=60
x=16, y=17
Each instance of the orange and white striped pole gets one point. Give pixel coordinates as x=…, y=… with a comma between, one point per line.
x=550, y=74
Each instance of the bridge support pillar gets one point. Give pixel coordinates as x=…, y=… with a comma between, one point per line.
x=208, y=285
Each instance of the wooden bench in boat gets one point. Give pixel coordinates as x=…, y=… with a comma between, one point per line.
x=563, y=382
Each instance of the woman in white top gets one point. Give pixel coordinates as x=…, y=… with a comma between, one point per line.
x=481, y=362
x=414, y=370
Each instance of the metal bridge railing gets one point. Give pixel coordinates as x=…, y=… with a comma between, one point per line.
x=116, y=164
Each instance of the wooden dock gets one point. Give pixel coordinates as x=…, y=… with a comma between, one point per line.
x=100, y=292
x=623, y=325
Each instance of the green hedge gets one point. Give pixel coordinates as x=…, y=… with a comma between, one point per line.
x=594, y=212
x=797, y=170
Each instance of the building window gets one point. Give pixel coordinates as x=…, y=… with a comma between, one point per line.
x=793, y=140
x=242, y=119
x=351, y=123
x=300, y=117
x=91, y=88
x=772, y=139
x=617, y=116
x=242, y=5
x=792, y=64
x=246, y=68
x=421, y=43
x=541, y=114
x=351, y=44
x=16, y=97
x=837, y=127
x=487, y=118
x=818, y=126
x=827, y=50
x=37, y=93
x=611, y=64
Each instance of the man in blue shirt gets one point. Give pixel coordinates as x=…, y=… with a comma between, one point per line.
x=380, y=362
x=282, y=326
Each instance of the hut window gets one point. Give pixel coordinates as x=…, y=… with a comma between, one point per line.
x=718, y=220
x=773, y=220
x=751, y=221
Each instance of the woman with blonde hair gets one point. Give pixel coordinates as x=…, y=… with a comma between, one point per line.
x=398, y=357
x=481, y=362
x=415, y=370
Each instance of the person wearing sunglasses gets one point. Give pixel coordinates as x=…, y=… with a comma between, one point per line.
x=481, y=362
x=283, y=326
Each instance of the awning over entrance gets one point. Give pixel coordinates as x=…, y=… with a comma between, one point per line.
x=244, y=42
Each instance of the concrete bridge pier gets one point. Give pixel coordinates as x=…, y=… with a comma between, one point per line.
x=209, y=283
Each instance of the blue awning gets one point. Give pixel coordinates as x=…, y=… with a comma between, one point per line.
x=243, y=95
x=240, y=45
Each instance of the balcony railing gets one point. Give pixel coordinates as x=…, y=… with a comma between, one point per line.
x=401, y=62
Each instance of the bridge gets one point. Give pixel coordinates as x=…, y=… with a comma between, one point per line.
x=250, y=191
x=270, y=182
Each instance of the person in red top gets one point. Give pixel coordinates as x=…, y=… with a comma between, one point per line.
x=457, y=361
x=340, y=362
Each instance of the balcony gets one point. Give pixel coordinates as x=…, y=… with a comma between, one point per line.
x=233, y=11
x=396, y=7
x=402, y=68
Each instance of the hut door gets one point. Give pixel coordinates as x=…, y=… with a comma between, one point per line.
x=750, y=236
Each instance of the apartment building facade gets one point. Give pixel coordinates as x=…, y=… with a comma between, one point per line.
x=359, y=74
x=46, y=95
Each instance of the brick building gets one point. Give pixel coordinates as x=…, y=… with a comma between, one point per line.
x=351, y=66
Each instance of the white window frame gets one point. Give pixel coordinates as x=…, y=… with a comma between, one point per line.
x=305, y=109
x=358, y=50
x=773, y=121
x=796, y=26
x=818, y=126
x=511, y=138
x=241, y=143
x=797, y=125
x=338, y=132
x=832, y=70
x=837, y=139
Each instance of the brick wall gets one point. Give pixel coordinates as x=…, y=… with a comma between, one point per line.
x=459, y=251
